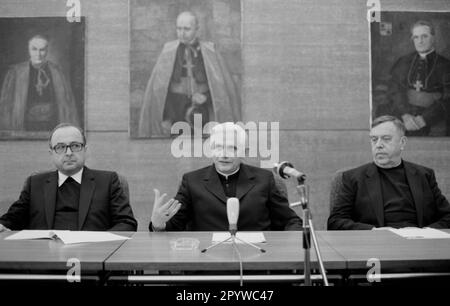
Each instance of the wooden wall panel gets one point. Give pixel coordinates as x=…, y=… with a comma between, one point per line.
x=306, y=60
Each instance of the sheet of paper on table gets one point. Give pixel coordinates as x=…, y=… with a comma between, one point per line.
x=420, y=233
x=67, y=237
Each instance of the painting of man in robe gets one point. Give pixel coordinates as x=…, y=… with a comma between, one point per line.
x=41, y=75
x=410, y=53
x=185, y=64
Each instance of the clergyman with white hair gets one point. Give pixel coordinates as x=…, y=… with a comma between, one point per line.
x=200, y=203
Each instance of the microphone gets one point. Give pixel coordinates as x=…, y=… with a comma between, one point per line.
x=286, y=169
x=233, y=214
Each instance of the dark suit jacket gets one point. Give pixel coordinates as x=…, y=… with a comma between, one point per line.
x=359, y=205
x=262, y=206
x=103, y=204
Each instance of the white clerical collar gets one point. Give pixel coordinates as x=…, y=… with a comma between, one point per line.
x=229, y=174
x=424, y=55
x=62, y=177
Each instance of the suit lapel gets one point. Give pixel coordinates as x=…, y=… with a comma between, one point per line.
x=86, y=192
x=374, y=189
x=50, y=188
x=245, y=182
x=415, y=185
x=213, y=185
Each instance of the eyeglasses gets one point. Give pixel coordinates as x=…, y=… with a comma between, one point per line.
x=62, y=147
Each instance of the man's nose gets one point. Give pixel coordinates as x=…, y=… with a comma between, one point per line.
x=69, y=151
x=379, y=143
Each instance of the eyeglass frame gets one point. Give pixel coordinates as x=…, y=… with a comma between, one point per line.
x=68, y=146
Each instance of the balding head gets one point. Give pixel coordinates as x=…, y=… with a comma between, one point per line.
x=187, y=27
x=190, y=16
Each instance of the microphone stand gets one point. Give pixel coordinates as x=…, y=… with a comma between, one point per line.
x=308, y=232
x=233, y=239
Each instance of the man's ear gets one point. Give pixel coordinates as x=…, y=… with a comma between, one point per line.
x=403, y=142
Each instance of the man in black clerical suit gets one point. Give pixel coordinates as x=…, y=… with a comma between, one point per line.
x=72, y=198
x=389, y=192
x=420, y=87
x=200, y=204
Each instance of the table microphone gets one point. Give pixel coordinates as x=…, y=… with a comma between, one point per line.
x=233, y=214
x=286, y=169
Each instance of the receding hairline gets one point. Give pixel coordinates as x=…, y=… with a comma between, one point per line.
x=189, y=14
x=64, y=126
x=423, y=23
x=39, y=36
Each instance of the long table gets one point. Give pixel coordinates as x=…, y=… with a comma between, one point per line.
x=393, y=256
x=45, y=259
x=394, y=252
x=152, y=251
x=284, y=257
x=149, y=257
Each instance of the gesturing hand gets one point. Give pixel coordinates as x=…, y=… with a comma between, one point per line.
x=163, y=212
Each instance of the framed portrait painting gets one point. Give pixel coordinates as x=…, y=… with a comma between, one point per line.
x=410, y=61
x=41, y=75
x=186, y=65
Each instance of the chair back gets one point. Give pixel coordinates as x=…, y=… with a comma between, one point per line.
x=124, y=183
x=281, y=185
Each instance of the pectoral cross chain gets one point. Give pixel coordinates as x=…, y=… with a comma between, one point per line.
x=190, y=75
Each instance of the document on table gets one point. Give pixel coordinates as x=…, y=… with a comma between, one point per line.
x=67, y=237
x=420, y=233
x=252, y=237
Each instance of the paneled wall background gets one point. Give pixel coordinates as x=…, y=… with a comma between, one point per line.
x=305, y=64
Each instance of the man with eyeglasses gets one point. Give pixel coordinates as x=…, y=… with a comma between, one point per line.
x=72, y=198
x=389, y=192
x=200, y=204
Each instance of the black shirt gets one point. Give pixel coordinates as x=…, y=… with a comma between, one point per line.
x=229, y=183
x=399, y=208
x=67, y=202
